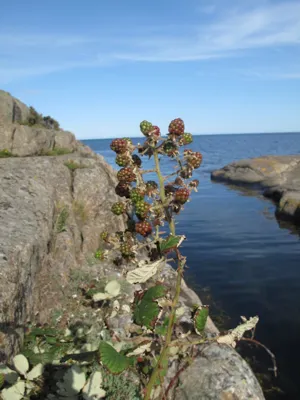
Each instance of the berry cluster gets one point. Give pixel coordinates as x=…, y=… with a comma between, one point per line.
x=141, y=209
x=146, y=127
x=99, y=254
x=136, y=195
x=144, y=228
x=176, y=127
x=170, y=148
x=122, y=190
x=118, y=208
x=119, y=145
x=126, y=175
x=123, y=160
x=126, y=250
x=182, y=195
x=193, y=158
x=186, y=138
x=151, y=187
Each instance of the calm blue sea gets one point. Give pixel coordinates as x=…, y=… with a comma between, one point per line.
x=241, y=259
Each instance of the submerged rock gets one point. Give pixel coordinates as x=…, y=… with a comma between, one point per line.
x=277, y=176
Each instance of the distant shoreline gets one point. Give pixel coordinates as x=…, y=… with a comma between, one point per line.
x=207, y=134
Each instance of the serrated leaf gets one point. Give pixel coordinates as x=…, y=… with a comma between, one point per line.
x=200, y=319
x=170, y=243
x=155, y=292
x=111, y=359
x=15, y=392
x=113, y=288
x=92, y=390
x=36, y=372
x=21, y=364
x=146, y=309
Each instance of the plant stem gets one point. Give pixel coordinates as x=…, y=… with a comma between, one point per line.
x=165, y=350
x=162, y=192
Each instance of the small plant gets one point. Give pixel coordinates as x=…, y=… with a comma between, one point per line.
x=73, y=165
x=61, y=220
x=57, y=151
x=5, y=153
x=141, y=250
x=36, y=119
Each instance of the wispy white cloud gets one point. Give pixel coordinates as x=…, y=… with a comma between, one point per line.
x=227, y=33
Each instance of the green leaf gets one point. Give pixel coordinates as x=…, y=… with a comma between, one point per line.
x=146, y=309
x=111, y=359
x=200, y=319
x=44, y=332
x=170, y=243
x=39, y=358
x=155, y=292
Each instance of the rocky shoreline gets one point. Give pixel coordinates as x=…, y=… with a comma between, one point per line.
x=278, y=177
x=55, y=200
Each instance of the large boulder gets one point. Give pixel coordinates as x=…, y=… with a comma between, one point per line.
x=277, y=176
x=22, y=140
x=51, y=219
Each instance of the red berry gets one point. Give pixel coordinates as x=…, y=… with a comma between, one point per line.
x=144, y=228
x=182, y=195
x=126, y=175
x=119, y=145
x=176, y=127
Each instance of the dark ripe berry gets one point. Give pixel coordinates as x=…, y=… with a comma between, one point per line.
x=126, y=175
x=176, y=127
x=136, y=160
x=145, y=127
x=136, y=195
x=151, y=187
x=119, y=145
x=126, y=250
x=176, y=208
x=186, y=172
x=194, y=183
x=123, y=190
x=123, y=160
x=142, y=208
x=169, y=189
x=144, y=228
x=170, y=148
x=118, y=208
x=182, y=195
x=187, y=138
x=178, y=181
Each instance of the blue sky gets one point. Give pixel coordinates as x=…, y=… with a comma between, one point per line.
x=100, y=67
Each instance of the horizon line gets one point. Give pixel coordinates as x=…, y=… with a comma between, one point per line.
x=206, y=134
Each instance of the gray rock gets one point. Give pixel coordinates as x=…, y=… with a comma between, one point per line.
x=22, y=140
x=218, y=373
x=36, y=260
x=277, y=176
